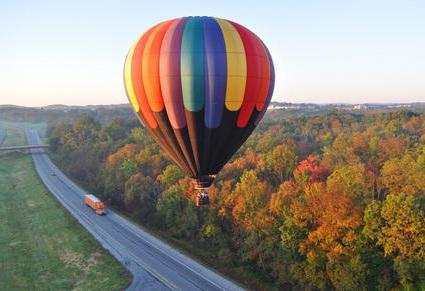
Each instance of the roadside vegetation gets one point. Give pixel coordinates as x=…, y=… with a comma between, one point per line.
x=41, y=246
x=335, y=201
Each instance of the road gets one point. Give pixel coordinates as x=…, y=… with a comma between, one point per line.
x=2, y=135
x=154, y=264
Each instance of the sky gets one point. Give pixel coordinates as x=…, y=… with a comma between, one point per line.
x=328, y=51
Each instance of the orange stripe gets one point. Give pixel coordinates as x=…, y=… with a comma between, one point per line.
x=150, y=67
x=136, y=77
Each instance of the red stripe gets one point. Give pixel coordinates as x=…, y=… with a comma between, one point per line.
x=265, y=74
x=253, y=81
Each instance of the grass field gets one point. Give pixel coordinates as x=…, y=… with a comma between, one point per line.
x=41, y=246
x=13, y=137
x=10, y=128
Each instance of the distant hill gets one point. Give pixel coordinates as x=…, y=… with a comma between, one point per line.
x=416, y=106
x=105, y=113
x=92, y=107
x=58, y=113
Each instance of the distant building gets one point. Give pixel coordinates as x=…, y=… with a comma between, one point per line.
x=359, y=107
x=275, y=107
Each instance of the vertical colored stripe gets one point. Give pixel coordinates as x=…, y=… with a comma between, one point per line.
x=271, y=88
x=193, y=65
x=264, y=74
x=182, y=74
x=236, y=65
x=150, y=67
x=169, y=70
x=127, y=80
x=253, y=80
x=137, y=80
x=216, y=70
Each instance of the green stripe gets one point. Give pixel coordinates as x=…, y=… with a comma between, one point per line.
x=192, y=64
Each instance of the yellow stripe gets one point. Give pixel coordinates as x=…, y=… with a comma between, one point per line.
x=236, y=65
x=127, y=80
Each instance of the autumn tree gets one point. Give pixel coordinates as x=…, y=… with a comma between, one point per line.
x=310, y=170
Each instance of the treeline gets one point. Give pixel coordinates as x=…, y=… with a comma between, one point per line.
x=62, y=113
x=328, y=202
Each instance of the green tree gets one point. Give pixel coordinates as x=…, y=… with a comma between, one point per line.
x=170, y=176
x=179, y=214
x=349, y=180
x=347, y=272
x=141, y=195
x=398, y=226
x=277, y=165
x=404, y=175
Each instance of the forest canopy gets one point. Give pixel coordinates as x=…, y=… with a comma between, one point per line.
x=332, y=201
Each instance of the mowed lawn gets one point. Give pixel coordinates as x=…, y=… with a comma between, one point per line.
x=41, y=246
x=13, y=137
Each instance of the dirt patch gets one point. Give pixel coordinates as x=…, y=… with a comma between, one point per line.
x=94, y=259
x=77, y=260
x=73, y=259
x=31, y=204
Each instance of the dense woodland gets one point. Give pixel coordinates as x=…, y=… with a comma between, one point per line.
x=335, y=201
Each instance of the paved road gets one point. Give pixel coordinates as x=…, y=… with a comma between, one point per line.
x=154, y=264
x=2, y=135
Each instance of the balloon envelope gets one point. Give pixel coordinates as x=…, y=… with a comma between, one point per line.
x=200, y=85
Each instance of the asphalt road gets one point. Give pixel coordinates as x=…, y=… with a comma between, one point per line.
x=154, y=264
x=2, y=135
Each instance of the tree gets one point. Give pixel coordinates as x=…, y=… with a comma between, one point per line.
x=398, y=226
x=179, y=215
x=117, y=129
x=141, y=195
x=347, y=272
x=277, y=165
x=251, y=196
x=349, y=180
x=170, y=176
x=404, y=175
x=310, y=170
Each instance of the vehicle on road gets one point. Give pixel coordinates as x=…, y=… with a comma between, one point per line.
x=93, y=202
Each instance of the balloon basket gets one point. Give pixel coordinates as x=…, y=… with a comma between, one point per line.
x=202, y=199
x=201, y=184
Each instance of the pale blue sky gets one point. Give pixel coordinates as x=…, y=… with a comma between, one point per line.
x=72, y=52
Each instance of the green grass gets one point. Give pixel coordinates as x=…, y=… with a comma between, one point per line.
x=11, y=126
x=41, y=246
x=13, y=137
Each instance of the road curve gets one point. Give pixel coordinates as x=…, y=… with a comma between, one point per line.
x=154, y=264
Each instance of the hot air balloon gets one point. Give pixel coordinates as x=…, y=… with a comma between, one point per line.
x=200, y=85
